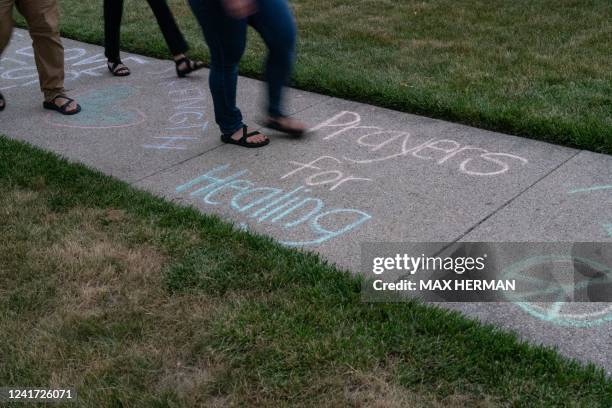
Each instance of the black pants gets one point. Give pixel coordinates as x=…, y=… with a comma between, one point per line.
x=113, y=10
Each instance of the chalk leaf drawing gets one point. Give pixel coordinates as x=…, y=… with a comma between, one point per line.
x=558, y=310
x=589, y=189
x=105, y=108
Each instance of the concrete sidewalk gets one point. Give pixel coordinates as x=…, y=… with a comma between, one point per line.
x=366, y=175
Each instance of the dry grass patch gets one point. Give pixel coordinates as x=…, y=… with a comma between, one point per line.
x=111, y=318
x=378, y=389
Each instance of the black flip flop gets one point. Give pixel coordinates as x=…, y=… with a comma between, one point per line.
x=64, y=108
x=191, y=66
x=243, y=140
x=2, y=102
x=275, y=125
x=118, y=69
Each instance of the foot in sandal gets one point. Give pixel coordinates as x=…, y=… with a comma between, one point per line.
x=63, y=105
x=244, y=138
x=117, y=68
x=286, y=125
x=185, y=66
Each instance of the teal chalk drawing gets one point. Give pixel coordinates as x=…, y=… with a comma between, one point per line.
x=105, y=108
x=608, y=229
x=558, y=311
x=589, y=189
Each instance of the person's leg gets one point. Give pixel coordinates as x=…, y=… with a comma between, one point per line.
x=42, y=17
x=113, y=12
x=226, y=39
x=6, y=28
x=276, y=25
x=174, y=38
x=172, y=34
x=6, y=23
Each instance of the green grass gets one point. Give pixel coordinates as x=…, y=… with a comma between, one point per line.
x=539, y=69
x=138, y=302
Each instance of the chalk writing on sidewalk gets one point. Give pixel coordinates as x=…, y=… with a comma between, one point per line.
x=583, y=275
x=379, y=145
x=187, y=121
x=590, y=189
x=306, y=220
x=104, y=108
x=19, y=70
x=320, y=176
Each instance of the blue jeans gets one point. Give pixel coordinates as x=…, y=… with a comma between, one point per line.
x=226, y=39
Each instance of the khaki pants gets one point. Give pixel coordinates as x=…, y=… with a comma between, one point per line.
x=42, y=17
